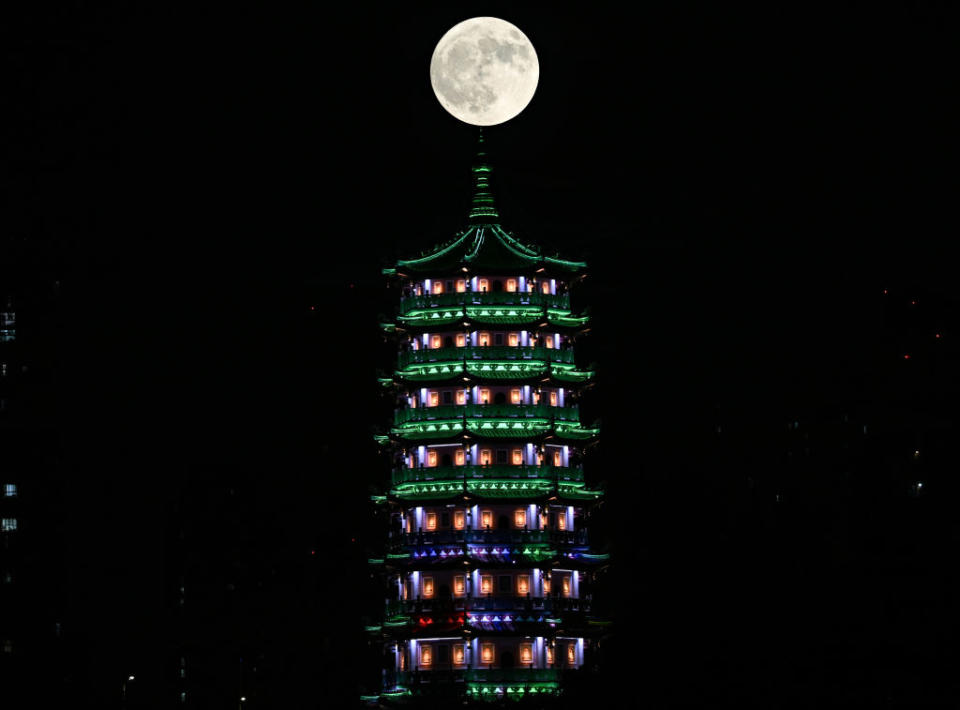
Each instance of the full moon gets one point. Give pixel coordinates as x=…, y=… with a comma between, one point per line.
x=484, y=71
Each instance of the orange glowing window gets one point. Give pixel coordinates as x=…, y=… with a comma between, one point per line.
x=415, y=345
x=486, y=584
x=549, y=655
x=428, y=586
x=565, y=585
x=461, y=340
x=544, y=520
x=548, y=341
x=557, y=458
x=459, y=657
x=486, y=457
x=526, y=653
x=553, y=399
x=535, y=397
x=483, y=339
x=539, y=458
x=523, y=584
x=545, y=286
x=438, y=286
x=403, y=660
x=436, y=341
x=431, y=458
x=484, y=284
x=459, y=520
x=511, y=285
x=486, y=653
x=434, y=399
x=461, y=397
x=571, y=653
x=459, y=585
x=520, y=518
x=484, y=396
x=561, y=521
x=409, y=523
x=514, y=396
x=431, y=521
x=530, y=286
x=486, y=519
x=459, y=457
x=426, y=654
x=513, y=339
x=546, y=585
x=461, y=285
x=517, y=457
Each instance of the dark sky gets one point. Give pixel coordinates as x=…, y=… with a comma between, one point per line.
x=743, y=180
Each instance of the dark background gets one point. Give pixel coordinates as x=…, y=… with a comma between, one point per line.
x=216, y=189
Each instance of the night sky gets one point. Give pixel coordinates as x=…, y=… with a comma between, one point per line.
x=744, y=183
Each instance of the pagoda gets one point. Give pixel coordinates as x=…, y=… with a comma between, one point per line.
x=487, y=568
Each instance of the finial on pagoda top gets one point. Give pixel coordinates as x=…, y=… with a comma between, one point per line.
x=482, y=208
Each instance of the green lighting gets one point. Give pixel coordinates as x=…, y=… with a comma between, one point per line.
x=375, y=561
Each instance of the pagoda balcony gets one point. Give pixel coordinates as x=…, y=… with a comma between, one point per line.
x=458, y=411
x=482, y=675
x=475, y=607
x=485, y=352
x=492, y=537
x=492, y=471
x=484, y=298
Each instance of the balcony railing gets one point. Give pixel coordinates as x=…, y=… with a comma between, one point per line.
x=492, y=471
x=492, y=537
x=489, y=603
x=479, y=675
x=485, y=352
x=457, y=411
x=484, y=298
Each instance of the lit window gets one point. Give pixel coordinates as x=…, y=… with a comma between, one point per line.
x=10, y=490
x=520, y=518
x=548, y=341
x=484, y=284
x=561, y=521
x=8, y=524
x=572, y=653
x=565, y=585
x=546, y=587
x=486, y=519
x=403, y=660
x=459, y=585
x=431, y=458
x=539, y=458
x=511, y=285
x=413, y=461
x=514, y=396
x=530, y=286
x=513, y=340
x=459, y=657
x=434, y=399
x=483, y=339
x=486, y=584
x=557, y=459
x=553, y=399
x=426, y=654
x=549, y=655
x=517, y=457
x=461, y=285
x=535, y=397
x=431, y=521
x=406, y=589
x=484, y=396
x=409, y=524
x=486, y=653
x=435, y=341
x=428, y=586
x=461, y=397
x=544, y=520
x=459, y=520
x=486, y=457
x=438, y=286
x=523, y=584
x=461, y=340
x=415, y=345
x=545, y=286
x=526, y=652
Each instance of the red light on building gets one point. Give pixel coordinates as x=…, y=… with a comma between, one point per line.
x=885, y=292
x=937, y=335
x=906, y=357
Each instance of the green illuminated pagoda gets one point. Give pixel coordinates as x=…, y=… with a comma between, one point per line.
x=487, y=569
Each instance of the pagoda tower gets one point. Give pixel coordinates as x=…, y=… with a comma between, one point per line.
x=487, y=568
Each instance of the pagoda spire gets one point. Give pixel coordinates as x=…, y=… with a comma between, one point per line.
x=482, y=208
